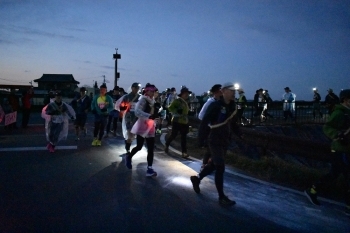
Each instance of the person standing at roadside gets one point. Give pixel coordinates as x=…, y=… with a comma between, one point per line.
x=241, y=105
x=337, y=128
x=26, y=106
x=101, y=106
x=127, y=104
x=179, y=110
x=222, y=118
x=144, y=128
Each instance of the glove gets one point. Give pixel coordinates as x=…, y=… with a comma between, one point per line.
x=104, y=110
x=179, y=111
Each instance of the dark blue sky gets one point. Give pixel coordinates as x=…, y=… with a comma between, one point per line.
x=268, y=44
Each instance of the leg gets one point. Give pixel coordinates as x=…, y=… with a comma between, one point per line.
x=150, y=151
x=174, y=132
x=184, y=132
x=139, y=143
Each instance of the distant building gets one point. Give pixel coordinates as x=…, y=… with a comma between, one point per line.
x=63, y=82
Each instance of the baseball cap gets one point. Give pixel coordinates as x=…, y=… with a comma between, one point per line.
x=215, y=88
x=183, y=90
x=136, y=85
x=228, y=85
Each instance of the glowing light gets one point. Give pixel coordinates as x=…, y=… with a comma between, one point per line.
x=236, y=86
x=314, y=89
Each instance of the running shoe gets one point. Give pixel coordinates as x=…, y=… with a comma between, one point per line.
x=128, y=161
x=151, y=172
x=225, y=201
x=195, y=183
x=311, y=194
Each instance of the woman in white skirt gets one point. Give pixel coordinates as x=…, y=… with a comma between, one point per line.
x=144, y=127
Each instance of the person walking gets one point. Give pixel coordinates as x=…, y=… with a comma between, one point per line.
x=337, y=128
x=144, y=128
x=222, y=118
x=127, y=104
x=316, y=104
x=288, y=99
x=331, y=100
x=83, y=105
x=101, y=106
x=179, y=110
x=114, y=114
x=26, y=106
x=56, y=115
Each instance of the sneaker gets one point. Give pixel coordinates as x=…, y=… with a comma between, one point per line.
x=98, y=143
x=128, y=161
x=225, y=201
x=94, y=142
x=195, y=183
x=202, y=167
x=347, y=211
x=151, y=172
x=185, y=155
x=166, y=149
x=311, y=194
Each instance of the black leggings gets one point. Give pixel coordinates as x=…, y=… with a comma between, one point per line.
x=183, y=130
x=150, y=148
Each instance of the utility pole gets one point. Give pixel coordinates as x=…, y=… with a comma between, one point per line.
x=116, y=56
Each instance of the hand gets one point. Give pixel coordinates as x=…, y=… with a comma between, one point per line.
x=104, y=110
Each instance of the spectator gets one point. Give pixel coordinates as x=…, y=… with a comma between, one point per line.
x=241, y=105
x=26, y=106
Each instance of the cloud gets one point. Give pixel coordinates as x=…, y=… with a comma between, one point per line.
x=108, y=67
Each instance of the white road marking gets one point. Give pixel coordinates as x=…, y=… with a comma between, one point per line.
x=38, y=148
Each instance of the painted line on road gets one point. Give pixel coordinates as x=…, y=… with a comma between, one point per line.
x=35, y=148
x=230, y=171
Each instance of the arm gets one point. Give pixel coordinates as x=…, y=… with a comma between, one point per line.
x=140, y=106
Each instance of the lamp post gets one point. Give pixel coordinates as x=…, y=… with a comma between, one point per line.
x=116, y=56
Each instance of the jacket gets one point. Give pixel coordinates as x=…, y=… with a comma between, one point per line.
x=179, y=110
x=102, y=109
x=338, y=122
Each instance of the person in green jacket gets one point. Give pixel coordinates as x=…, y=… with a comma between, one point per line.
x=101, y=106
x=179, y=110
x=337, y=129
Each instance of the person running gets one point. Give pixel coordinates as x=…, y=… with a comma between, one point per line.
x=216, y=93
x=127, y=104
x=288, y=99
x=101, y=106
x=144, y=127
x=56, y=115
x=114, y=114
x=221, y=115
x=179, y=110
x=337, y=128
x=316, y=104
x=241, y=105
x=82, y=108
x=331, y=100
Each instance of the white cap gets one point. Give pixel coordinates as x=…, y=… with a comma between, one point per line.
x=228, y=85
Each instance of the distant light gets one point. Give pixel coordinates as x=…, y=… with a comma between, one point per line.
x=236, y=86
x=314, y=89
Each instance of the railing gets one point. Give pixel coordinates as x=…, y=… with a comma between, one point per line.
x=303, y=114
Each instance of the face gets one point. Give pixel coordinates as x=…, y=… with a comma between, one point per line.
x=185, y=95
x=135, y=89
x=156, y=94
x=103, y=91
x=82, y=93
x=58, y=98
x=346, y=102
x=150, y=93
x=228, y=94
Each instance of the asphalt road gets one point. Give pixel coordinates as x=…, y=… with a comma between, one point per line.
x=80, y=188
